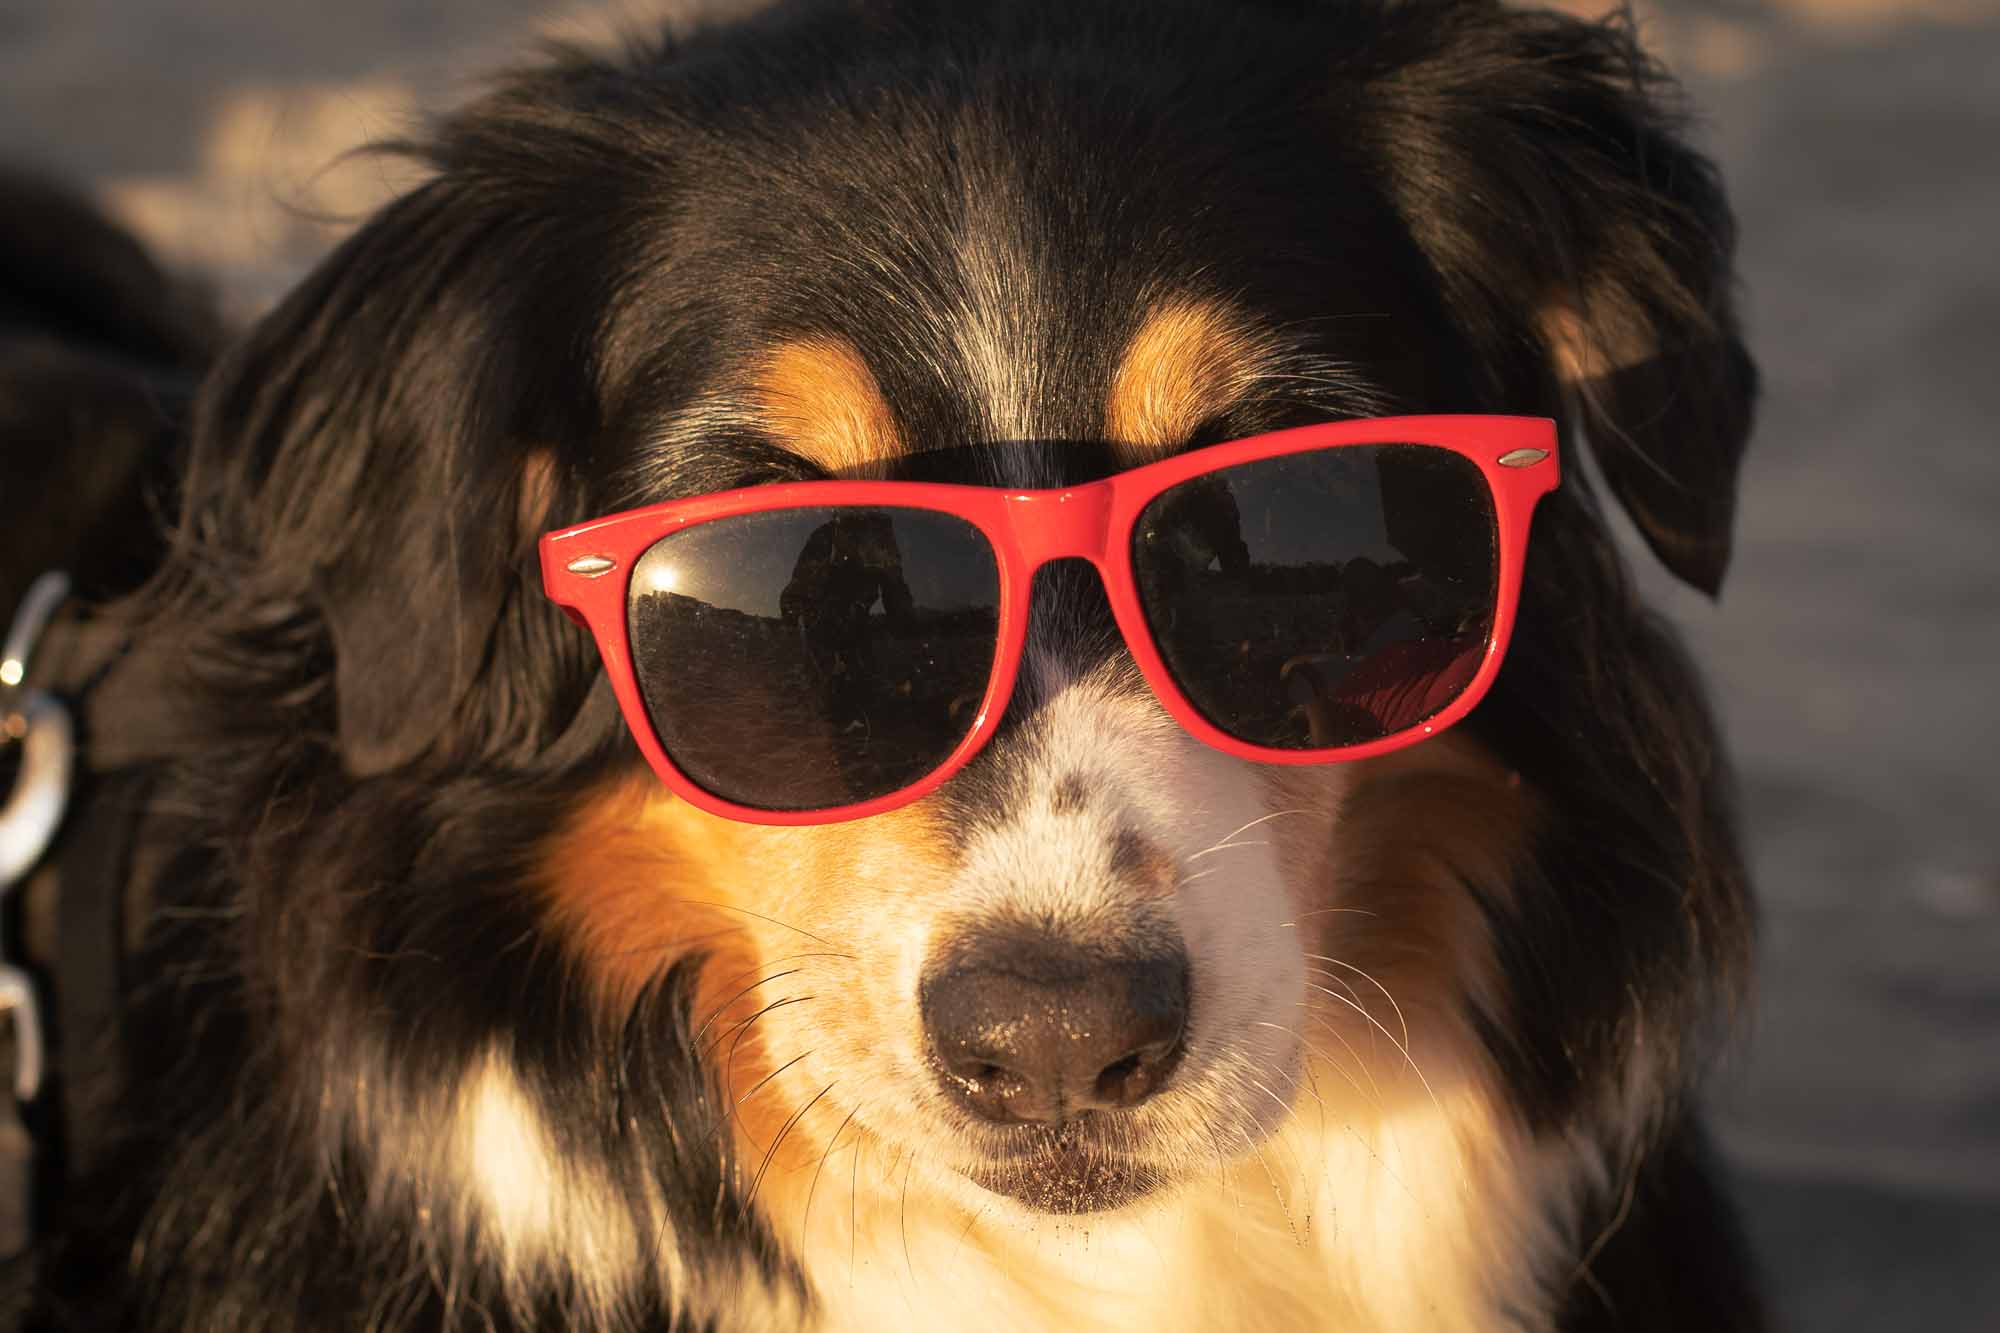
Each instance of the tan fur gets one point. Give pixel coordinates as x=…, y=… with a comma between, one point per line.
x=820, y=400
x=1585, y=350
x=1416, y=827
x=536, y=500
x=636, y=879
x=1189, y=361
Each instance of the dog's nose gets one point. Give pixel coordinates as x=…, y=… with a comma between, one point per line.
x=1029, y=1031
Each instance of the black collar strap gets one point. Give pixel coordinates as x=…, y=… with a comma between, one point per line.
x=74, y=705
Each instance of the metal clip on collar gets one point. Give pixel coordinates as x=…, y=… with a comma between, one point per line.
x=38, y=722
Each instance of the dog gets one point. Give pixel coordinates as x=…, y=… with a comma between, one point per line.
x=451, y=1014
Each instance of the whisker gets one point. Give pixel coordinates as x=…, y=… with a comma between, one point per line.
x=1329, y=1059
x=1311, y=1187
x=1404, y=1050
x=1298, y=1165
x=1277, y=1192
x=1225, y=846
x=679, y=946
x=1403, y=1022
x=742, y=1029
x=1374, y=1090
x=771, y=1154
x=782, y=958
x=1254, y=1144
x=1265, y=819
x=966, y=1230
x=723, y=1008
x=853, y=1211
x=1352, y=993
x=903, y=1224
x=1224, y=843
x=734, y=907
x=1214, y=1136
x=1258, y=1084
x=805, y=1220
x=759, y=1085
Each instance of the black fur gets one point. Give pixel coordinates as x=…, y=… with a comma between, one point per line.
x=99, y=357
x=390, y=716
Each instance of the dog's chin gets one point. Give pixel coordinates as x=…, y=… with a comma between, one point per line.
x=1071, y=1183
x=1067, y=1174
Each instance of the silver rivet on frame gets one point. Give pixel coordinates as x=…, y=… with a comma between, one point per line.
x=592, y=566
x=1523, y=457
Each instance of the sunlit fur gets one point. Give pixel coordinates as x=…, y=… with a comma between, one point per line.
x=450, y=1016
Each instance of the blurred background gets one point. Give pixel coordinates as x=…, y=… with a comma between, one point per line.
x=1855, y=652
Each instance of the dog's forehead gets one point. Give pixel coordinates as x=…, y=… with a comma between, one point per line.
x=992, y=347
x=915, y=283
x=990, y=318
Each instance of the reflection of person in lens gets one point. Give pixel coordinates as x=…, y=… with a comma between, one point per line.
x=1384, y=604
x=1206, y=527
x=848, y=565
x=1405, y=645
x=1195, y=533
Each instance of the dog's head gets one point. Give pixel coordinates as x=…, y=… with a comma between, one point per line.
x=1023, y=245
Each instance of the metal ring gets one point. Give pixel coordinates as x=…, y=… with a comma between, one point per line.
x=34, y=808
x=45, y=594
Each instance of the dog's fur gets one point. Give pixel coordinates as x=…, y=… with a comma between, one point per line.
x=451, y=1017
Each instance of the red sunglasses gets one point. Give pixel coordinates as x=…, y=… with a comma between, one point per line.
x=809, y=652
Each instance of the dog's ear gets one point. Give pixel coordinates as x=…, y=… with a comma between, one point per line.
x=369, y=462
x=1538, y=159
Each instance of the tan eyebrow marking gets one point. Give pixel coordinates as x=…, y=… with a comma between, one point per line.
x=820, y=400
x=1189, y=361
x=1580, y=355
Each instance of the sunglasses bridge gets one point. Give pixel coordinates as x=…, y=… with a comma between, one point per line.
x=1058, y=524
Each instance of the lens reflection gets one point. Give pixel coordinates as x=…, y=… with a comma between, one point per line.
x=807, y=658
x=1325, y=598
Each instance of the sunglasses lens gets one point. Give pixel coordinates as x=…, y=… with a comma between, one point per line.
x=1326, y=598
x=802, y=659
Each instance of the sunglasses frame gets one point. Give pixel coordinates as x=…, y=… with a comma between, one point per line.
x=587, y=570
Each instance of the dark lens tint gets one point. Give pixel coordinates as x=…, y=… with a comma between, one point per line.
x=1325, y=598
x=802, y=659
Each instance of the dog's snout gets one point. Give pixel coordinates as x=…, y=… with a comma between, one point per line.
x=1036, y=1032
